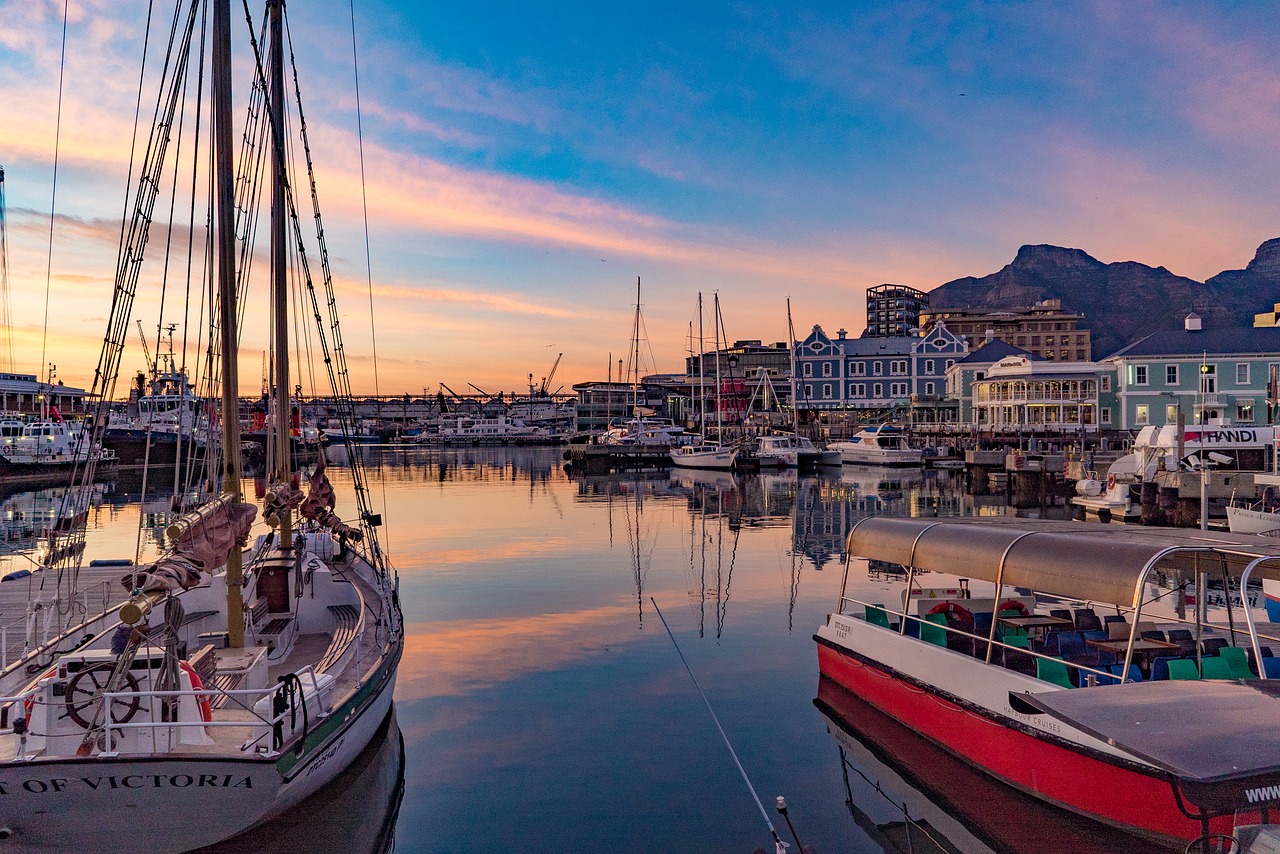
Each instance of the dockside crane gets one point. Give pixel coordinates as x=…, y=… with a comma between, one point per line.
x=551, y=375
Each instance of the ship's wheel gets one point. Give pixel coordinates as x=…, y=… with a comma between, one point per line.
x=85, y=690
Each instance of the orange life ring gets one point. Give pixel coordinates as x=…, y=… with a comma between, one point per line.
x=1013, y=605
x=206, y=711
x=952, y=608
x=1111, y=482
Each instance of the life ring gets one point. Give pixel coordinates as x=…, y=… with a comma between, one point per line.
x=197, y=684
x=1111, y=482
x=1013, y=605
x=960, y=612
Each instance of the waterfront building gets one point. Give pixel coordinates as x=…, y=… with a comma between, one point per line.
x=1209, y=375
x=601, y=403
x=893, y=311
x=1044, y=329
x=1023, y=393
x=744, y=359
x=974, y=367
x=25, y=394
x=873, y=374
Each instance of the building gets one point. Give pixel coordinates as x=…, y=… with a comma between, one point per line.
x=1268, y=318
x=974, y=367
x=1044, y=329
x=1023, y=393
x=743, y=359
x=24, y=394
x=893, y=311
x=874, y=374
x=1214, y=376
x=602, y=403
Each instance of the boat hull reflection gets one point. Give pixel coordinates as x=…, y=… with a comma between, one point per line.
x=919, y=798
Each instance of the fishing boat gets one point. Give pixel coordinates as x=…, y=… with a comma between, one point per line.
x=44, y=446
x=164, y=420
x=249, y=664
x=1122, y=709
x=884, y=445
x=777, y=450
x=703, y=455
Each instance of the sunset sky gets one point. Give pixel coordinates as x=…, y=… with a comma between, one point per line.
x=526, y=162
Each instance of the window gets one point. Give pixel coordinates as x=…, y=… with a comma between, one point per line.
x=808, y=392
x=807, y=370
x=826, y=369
x=1208, y=379
x=857, y=390
x=897, y=389
x=826, y=391
x=1139, y=374
x=1022, y=341
x=1171, y=413
x=980, y=375
x=877, y=368
x=898, y=368
x=1244, y=411
x=929, y=366
x=1170, y=374
x=1035, y=340
x=1106, y=382
x=949, y=363
x=1242, y=373
x=1143, y=414
x=1079, y=355
x=860, y=369
x=877, y=391
x=1048, y=340
x=928, y=388
x=1106, y=414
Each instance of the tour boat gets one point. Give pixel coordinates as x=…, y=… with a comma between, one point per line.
x=884, y=445
x=1168, y=758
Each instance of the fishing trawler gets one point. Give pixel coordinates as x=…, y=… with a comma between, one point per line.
x=250, y=663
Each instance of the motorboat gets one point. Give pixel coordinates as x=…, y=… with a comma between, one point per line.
x=703, y=455
x=777, y=450
x=884, y=445
x=1160, y=724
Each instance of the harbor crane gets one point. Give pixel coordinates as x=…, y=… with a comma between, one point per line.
x=546, y=381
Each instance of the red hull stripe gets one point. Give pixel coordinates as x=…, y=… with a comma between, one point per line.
x=1058, y=774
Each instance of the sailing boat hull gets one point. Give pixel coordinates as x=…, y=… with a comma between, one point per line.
x=72, y=805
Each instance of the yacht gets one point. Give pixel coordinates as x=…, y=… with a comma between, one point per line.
x=885, y=445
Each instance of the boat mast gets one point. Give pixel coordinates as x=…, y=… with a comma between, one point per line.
x=224, y=178
x=279, y=274
x=791, y=371
x=702, y=386
x=719, y=426
x=635, y=345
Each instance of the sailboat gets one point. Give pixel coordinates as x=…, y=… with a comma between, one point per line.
x=703, y=453
x=242, y=673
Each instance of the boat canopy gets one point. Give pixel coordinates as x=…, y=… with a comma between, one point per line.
x=1079, y=560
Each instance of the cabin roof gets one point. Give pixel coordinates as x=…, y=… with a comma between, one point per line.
x=1079, y=560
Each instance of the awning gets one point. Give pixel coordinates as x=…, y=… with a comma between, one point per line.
x=1079, y=560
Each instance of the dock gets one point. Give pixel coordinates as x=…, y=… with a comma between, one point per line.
x=601, y=458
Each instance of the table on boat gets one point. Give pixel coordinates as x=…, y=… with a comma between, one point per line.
x=1143, y=650
x=1039, y=623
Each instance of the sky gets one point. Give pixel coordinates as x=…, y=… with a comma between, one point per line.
x=525, y=163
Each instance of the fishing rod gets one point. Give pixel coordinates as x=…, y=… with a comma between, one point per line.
x=780, y=847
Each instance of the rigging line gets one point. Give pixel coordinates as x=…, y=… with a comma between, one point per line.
x=5, y=306
x=53, y=200
x=781, y=846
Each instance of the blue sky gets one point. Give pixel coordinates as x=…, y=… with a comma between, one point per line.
x=527, y=161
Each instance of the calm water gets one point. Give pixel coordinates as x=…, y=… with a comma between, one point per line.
x=543, y=706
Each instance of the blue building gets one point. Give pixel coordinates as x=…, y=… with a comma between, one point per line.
x=874, y=373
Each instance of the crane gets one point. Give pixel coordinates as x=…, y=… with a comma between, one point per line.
x=551, y=374
x=146, y=351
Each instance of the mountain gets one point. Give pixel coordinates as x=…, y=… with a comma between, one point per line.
x=1122, y=301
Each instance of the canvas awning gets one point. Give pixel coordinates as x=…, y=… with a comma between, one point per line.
x=1079, y=560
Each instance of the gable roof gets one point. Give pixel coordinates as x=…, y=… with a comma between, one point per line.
x=995, y=350
x=1241, y=341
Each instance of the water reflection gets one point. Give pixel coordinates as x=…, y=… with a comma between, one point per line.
x=910, y=797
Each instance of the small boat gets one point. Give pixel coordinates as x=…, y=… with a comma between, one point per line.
x=777, y=450
x=1159, y=724
x=51, y=444
x=812, y=455
x=884, y=445
x=704, y=455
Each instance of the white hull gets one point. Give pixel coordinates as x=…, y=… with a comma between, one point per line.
x=688, y=458
x=1243, y=520
x=860, y=456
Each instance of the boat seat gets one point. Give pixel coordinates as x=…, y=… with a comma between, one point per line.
x=1212, y=646
x=932, y=632
x=1271, y=666
x=1087, y=620
x=1218, y=668
x=1160, y=666
x=347, y=623
x=1054, y=671
x=1253, y=665
x=1135, y=674
x=1118, y=630
x=195, y=616
x=1184, y=669
x=1023, y=662
x=1237, y=662
x=1185, y=640
x=1155, y=635
x=877, y=616
x=204, y=664
x=1114, y=618
x=1060, y=613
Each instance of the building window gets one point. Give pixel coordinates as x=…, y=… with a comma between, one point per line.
x=1035, y=340
x=826, y=391
x=949, y=363
x=897, y=368
x=929, y=366
x=1142, y=414
x=1106, y=382
x=1106, y=414
x=877, y=391
x=1244, y=411
x=1171, y=413
x=979, y=375
x=859, y=369
x=1242, y=373
x=928, y=388
x=877, y=368
x=897, y=389
x=858, y=390
x=1208, y=379
x=1139, y=374
x=1171, y=375
x=808, y=392
x=826, y=369
x=1079, y=355
x=807, y=370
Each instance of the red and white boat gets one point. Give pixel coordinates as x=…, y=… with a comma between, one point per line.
x=1169, y=759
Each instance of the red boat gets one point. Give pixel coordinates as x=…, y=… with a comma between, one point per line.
x=1051, y=702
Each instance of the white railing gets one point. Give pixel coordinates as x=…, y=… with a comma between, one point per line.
x=35, y=632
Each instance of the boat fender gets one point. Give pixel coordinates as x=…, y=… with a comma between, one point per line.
x=197, y=684
x=1111, y=482
x=1014, y=605
x=951, y=609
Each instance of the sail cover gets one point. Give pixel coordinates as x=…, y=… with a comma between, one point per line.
x=202, y=546
x=1100, y=563
x=319, y=503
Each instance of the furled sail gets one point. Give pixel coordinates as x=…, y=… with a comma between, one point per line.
x=319, y=504
x=201, y=542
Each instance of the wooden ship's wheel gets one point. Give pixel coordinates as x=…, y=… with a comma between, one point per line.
x=84, y=692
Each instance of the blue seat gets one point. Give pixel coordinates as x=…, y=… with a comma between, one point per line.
x=1253, y=665
x=982, y=623
x=1106, y=658
x=1272, y=667
x=1087, y=620
x=1155, y=635
x=1068, y=644
x=1160, y=666
x=912, y=627
x=1135, y=675
x=1113, y=618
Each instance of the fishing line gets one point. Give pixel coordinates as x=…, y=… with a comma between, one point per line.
x=781, y=846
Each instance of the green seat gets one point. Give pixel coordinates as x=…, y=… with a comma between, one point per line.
x=1238, y=659
x=931, y=632
x=1217, y=668
x=940, y=619
x=1181, y=668
x=1020, y=641
x=1053, y=671
x=877, y=616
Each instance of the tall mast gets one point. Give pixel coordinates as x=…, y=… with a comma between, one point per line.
x=279, y=274
x=719, y=426
x=635, y=344
x=226, y=248
x=791, y=371
x=702, y=386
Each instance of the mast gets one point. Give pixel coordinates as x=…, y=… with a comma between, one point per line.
x=635, y=344
x=226, y=249
x=719, y=426
x=791, y=372
x=279, y=273
x=702, y=386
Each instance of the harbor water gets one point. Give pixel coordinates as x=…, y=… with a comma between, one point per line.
x=543, y=707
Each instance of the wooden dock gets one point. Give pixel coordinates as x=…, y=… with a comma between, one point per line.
x=598, y=458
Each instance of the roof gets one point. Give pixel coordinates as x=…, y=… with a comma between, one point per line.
x=1246, y=340
x=995, y=350
x=1080, y=560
